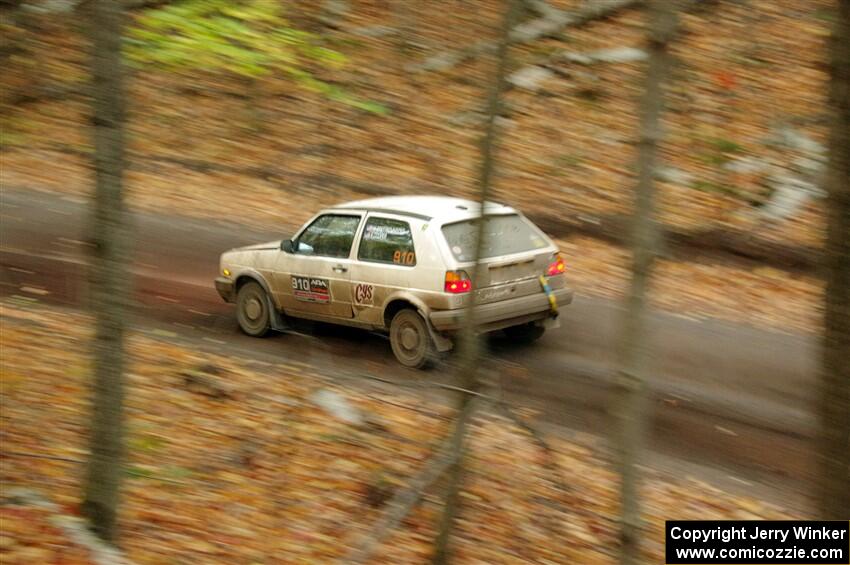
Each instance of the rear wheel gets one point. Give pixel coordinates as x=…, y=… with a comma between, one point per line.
x=252, y=309
x=411, y=342
x=525, y=333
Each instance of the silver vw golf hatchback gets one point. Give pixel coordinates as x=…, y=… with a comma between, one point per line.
x=405, y=265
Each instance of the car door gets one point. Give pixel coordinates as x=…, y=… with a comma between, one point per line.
x=385, y=262
x=314, y=280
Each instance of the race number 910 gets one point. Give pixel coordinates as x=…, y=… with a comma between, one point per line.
x=404, y=258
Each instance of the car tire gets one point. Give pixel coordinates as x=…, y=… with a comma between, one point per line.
x=252, y=309
x=411, y=341
x=525, y=333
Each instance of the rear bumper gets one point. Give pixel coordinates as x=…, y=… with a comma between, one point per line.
x=502, y=314
x=224, y=286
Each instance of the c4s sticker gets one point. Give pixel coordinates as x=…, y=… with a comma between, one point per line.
x=363, y=293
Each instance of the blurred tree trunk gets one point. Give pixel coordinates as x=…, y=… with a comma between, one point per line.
x=633, y=353
x=834, y=488
x=470, y=342
x=109, y=277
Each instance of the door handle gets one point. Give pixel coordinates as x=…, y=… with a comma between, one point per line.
x=340, y=268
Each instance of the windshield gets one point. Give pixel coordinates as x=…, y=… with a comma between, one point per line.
x=503, y=235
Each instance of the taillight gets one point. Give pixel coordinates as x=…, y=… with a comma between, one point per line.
x=457, y=282
x=556, y=267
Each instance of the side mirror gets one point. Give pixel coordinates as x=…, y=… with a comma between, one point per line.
x=286, y=245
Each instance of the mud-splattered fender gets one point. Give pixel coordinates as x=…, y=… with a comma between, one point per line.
x=441, y=342
x=276, y=320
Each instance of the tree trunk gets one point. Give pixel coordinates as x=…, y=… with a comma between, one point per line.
x=470, y=342
x=633, y=354
x=834, y=488
x=109, y=277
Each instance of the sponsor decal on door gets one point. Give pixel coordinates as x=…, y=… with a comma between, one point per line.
x=309, y=289
x=363, y=293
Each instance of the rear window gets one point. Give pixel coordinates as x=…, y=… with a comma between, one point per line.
x=503, y=235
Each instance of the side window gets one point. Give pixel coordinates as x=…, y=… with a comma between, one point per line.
x=387, y=241
x=330, y=235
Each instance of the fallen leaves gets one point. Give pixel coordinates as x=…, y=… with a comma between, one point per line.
x=758, y=296
x=265, y=475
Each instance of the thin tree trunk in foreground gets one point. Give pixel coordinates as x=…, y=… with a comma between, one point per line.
x=633, y=354
x=834, y=485
x=470, y=343
x=109, y=278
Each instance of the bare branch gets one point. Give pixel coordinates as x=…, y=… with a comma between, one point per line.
x=550, y=462
x=404, y=501
x=543, y=8
x=539, y=439
x=551, y=459
x=423, y=411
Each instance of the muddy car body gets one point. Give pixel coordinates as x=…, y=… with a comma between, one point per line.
x=404, y=265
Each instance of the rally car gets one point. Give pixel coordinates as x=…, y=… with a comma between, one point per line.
x=405, y=265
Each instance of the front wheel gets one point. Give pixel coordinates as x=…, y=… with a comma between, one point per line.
x=252, y=309
x=411, y=342
x=525, y=333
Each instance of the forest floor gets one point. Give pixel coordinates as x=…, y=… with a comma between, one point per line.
x=243, y=461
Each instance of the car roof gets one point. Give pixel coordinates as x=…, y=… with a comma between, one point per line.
x=443, y=208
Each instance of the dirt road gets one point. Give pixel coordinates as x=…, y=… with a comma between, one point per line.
x=731, y=403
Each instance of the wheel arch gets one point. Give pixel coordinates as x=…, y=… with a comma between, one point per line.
x=251, y=275
x=277, y=320
x=401, y=300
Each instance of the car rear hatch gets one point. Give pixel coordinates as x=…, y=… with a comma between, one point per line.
x=504, y=280
x=514, y=256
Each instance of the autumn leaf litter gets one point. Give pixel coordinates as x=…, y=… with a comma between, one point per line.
x=263, y=474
